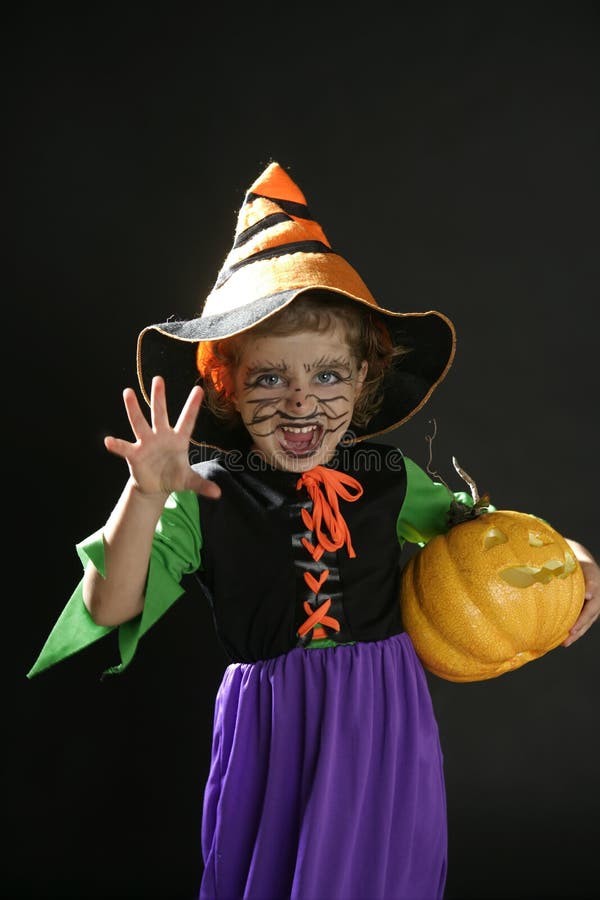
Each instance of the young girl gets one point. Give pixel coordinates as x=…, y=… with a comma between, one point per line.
x=326, y=777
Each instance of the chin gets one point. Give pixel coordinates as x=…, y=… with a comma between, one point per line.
x=304, y=465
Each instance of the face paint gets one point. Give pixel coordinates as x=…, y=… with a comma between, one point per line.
x=296, y=395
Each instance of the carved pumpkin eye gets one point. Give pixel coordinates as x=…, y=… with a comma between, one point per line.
x=493, y=537
x=536, y=540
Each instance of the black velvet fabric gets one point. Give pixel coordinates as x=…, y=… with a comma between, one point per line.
x=254, y=561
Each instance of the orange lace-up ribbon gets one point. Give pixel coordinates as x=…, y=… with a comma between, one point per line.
x=330, y=532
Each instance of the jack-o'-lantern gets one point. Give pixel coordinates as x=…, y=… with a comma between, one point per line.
x=495, y=592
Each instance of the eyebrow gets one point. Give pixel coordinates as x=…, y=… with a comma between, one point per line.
x=266, y=366
x=336, y=362
x=282, y=367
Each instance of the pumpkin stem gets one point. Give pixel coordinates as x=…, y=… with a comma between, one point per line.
x=459, y=511
x=428, y=468
x=466, y=477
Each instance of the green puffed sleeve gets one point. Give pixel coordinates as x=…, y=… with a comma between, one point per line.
x=175, y=552
x=424, y=513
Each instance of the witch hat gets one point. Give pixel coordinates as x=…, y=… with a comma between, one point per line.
x=280, y=252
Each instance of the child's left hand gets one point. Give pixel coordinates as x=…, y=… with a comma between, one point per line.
x=591, y=604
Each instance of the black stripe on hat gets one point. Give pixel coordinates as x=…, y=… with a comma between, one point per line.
x=252, y=230
x=289, y=206
x=270, y=253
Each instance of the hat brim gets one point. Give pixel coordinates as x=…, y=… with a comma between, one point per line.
x=169, y=349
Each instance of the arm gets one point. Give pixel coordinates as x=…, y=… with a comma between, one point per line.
x=591, y=603
x=158, y=466
x=176, y=551
x=134, y=566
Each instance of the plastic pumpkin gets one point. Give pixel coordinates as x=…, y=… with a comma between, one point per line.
x=493, y=593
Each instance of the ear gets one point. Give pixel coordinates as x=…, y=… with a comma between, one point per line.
x=228, y=388
x=361, y=376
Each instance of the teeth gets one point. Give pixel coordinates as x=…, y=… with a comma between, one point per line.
x=296, y=430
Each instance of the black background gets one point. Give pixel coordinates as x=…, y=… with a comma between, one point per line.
x=451, y=154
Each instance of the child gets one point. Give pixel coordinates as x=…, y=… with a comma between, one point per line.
x=326, y=777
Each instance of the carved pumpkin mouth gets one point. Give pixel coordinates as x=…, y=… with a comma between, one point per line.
x=525, y=575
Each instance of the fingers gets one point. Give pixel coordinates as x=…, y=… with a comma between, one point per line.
x=189, y=413
x=158, y=404
x=204, y=486
x=144, y=431
x=161, y=442
x=137, y=419
x=589, y=614
x=118, y=446
x=158, y=410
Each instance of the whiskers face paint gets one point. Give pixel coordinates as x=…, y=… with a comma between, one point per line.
x=296, y=395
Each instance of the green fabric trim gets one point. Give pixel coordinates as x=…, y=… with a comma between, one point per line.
x=175, y=552
x=424, y=513
x=75, y=628
x=320, y=643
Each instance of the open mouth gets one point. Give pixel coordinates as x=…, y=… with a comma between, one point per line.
x=299, y=440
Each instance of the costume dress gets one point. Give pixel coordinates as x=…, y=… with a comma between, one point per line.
x=326, y=775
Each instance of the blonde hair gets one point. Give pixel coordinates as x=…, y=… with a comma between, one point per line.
x=319, y=311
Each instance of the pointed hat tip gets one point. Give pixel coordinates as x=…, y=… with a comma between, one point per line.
x=274, y=182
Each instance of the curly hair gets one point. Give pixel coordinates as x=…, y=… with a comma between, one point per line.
x=368, y=339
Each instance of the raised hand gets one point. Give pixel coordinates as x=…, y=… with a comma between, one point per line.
x=158, y=459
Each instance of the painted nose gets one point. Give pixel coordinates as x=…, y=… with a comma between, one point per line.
x=297, y=398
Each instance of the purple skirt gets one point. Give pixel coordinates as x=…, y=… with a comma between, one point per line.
x=326, y=779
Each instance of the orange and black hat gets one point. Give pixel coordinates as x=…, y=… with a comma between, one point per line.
x=280, y=252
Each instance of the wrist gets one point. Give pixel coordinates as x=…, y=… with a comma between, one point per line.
x=149, y=498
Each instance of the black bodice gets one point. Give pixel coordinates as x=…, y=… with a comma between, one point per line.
x=254, y=561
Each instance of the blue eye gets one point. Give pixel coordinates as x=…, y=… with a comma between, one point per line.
x=328, y=378
x=268, y=380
